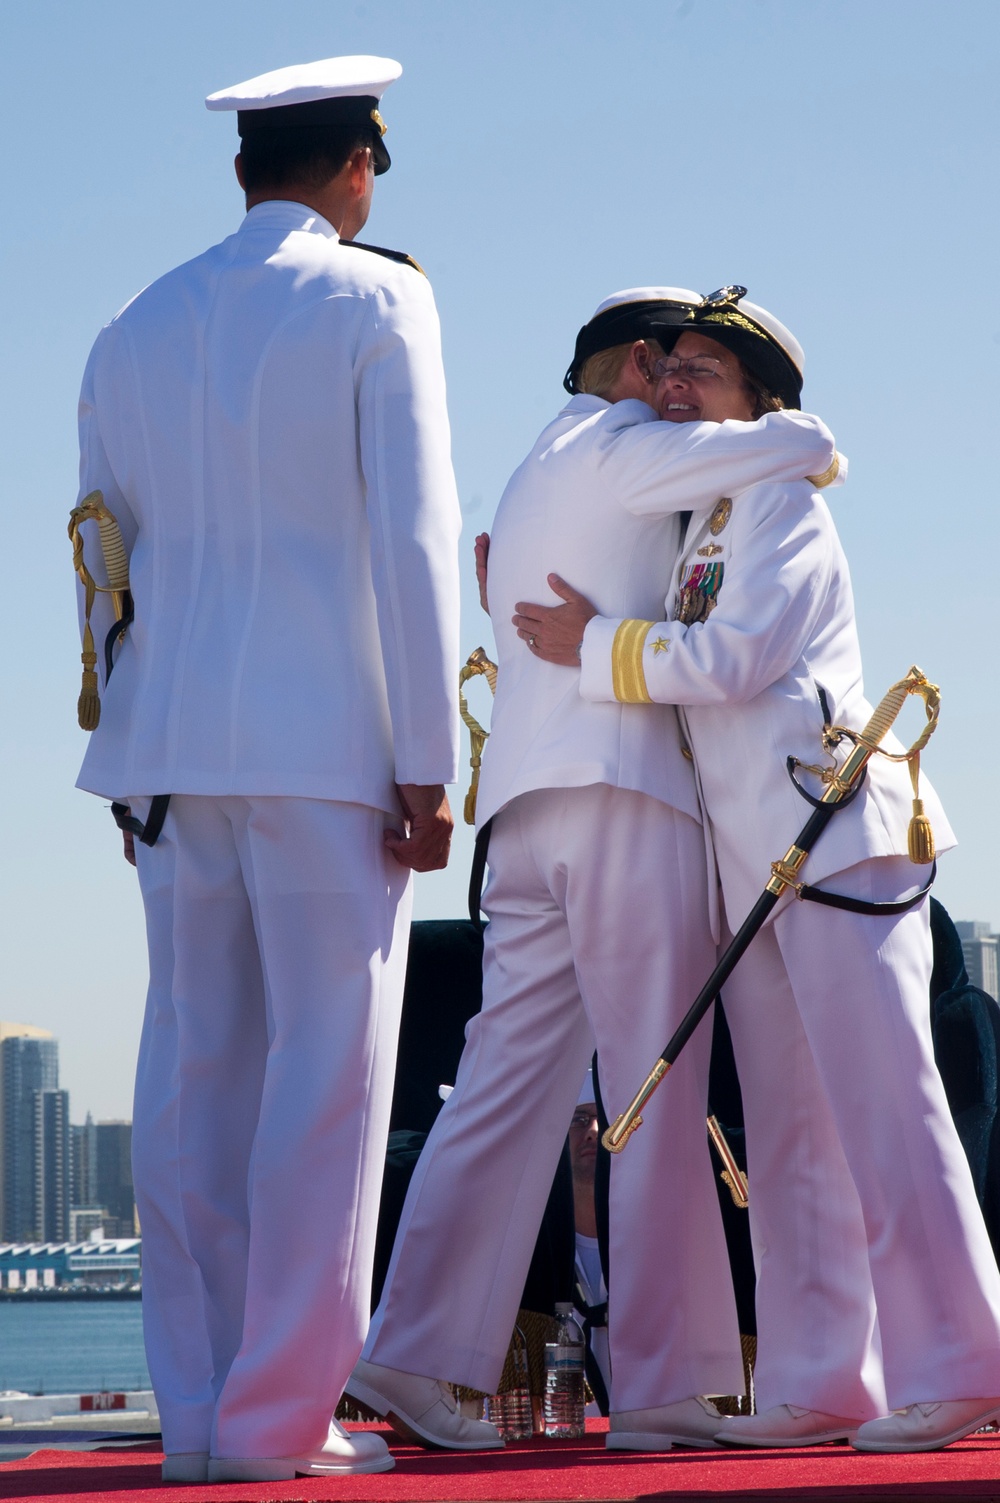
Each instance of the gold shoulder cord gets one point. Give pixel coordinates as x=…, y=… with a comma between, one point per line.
x=477, y=663
x=93, y=509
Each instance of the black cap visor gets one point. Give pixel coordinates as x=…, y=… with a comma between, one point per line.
x=357, y=112
x=624, y=324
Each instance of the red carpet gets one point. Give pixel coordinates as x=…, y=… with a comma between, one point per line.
x=542, y=1472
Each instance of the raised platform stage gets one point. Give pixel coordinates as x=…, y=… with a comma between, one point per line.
x=532, y=1472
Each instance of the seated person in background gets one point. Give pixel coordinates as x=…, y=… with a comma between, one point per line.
x=591, y=1295
x=828, y=1009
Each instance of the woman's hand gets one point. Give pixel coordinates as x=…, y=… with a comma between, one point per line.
x=555, y=632
x=482, y=561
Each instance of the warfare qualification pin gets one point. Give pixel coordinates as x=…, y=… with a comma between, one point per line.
x=720, y=516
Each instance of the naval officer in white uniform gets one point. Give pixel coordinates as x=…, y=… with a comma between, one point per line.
x=598, y=930
x=268, y=424
x=828, y=1009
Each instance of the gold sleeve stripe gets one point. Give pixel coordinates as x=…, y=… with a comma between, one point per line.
x=627, y=675
x=828, y=476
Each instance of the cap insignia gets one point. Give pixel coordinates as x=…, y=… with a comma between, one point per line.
x=725, y=295
x=662, y=644
x=709, y=550
x=720, y=516
x=378, y=122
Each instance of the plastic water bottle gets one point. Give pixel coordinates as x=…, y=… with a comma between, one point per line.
x=564, y=1362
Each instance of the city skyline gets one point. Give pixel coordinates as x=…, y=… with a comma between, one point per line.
x=54, y=1172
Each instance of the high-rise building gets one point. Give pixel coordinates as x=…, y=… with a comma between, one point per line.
x=83, y=1148
x=982, y=955
x=52, y=1166
x=33, y=1133
x=10, y=1031
x=114, y=1178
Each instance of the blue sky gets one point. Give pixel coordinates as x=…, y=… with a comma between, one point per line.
x=838, y=157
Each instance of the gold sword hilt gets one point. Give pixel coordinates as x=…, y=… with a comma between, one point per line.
x=622, y=1128
x=867, y=743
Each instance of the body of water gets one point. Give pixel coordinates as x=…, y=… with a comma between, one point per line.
x=77, y=1347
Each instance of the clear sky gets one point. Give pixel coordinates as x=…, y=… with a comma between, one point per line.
x=838, y=157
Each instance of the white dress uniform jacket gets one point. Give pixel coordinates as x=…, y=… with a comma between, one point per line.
x=753, y=678
x=293, y=558
x=590, y=501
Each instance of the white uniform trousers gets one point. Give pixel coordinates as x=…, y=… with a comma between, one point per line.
x=598, y=930
x=277, y=935
x=830, y=1018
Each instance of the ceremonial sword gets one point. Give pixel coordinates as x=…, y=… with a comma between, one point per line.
x=842, y=785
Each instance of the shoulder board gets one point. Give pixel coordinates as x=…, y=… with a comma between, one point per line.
x=393, y=255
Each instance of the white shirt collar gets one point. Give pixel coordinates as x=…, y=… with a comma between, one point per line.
x=286, y=214
x=585, y=401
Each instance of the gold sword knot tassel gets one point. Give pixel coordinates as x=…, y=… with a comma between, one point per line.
x=93, y=509
x=476, y=663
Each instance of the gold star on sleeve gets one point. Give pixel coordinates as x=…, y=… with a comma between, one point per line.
x=662, y=644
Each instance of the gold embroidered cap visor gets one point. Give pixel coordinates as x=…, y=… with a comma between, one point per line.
x=760, y=350
x=622, y=322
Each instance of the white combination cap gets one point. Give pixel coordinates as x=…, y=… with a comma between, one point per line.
x=759, y=339
x=682, y=296
x=335, y=92
x=635, y=313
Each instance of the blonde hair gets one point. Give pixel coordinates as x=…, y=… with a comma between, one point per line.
x=600, y=372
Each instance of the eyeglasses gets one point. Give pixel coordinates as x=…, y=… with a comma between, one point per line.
x=582, y=1120
x=697, y=367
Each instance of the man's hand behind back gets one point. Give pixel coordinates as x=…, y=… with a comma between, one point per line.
x=426, y=845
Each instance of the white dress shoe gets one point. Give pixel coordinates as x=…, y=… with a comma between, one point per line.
x=420, y=1409
x=689, y=1422
x=786, y=1425
x=185, y=1466
x=926, y=1427
x=340, y=1454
